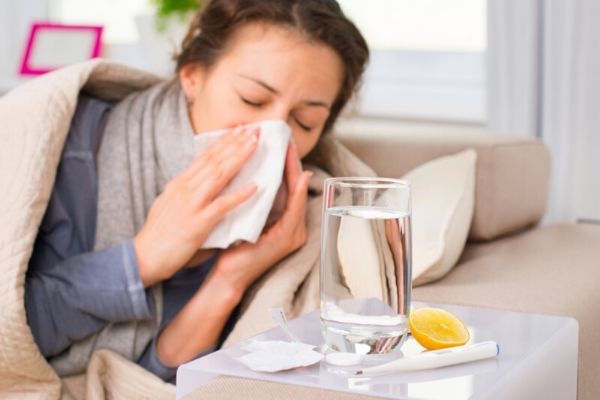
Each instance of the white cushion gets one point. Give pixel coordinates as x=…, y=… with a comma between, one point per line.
x=443, y=199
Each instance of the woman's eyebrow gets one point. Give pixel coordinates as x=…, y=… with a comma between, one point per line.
x=316, y=103
x=313, y=103
x=261, y=83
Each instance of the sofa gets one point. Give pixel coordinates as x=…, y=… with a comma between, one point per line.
x=512, y=260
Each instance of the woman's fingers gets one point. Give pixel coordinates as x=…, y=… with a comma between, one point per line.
x=211, y=173
x=300, y=195
x=296, y=180
x=293, y=221
x=221, y=149
x=200, y=160
x=219, y=207
x=293, y=168
x=296, y=205
x=219, y=169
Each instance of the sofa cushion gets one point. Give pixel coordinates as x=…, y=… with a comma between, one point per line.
x=443, y=192
x=511, y=185
x=549, y=270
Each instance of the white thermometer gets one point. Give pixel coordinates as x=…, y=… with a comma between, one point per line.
x=437, y=358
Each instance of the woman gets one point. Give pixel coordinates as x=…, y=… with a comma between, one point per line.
x=131, y=204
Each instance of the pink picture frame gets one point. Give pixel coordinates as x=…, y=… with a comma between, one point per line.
x=76, y=43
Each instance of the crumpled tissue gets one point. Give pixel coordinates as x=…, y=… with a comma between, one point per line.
x=277, y=355
x=265, y=168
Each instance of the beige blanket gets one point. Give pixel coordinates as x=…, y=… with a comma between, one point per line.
x=34, y=121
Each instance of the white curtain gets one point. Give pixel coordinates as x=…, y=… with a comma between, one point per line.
x=16, y=17
x=544, y=81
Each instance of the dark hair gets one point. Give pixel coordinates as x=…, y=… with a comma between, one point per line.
x=321, y=21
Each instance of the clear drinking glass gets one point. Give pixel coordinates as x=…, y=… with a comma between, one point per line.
x=365, y=264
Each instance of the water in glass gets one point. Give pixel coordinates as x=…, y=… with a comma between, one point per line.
x=365, y=278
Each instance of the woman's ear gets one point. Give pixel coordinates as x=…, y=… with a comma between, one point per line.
x=191, y=78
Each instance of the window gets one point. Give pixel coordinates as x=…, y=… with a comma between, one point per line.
x=117, y=16
x=123, y=20
x=428, y=58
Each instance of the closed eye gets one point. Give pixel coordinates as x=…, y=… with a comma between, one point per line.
x=251, y=103
x=302, y=126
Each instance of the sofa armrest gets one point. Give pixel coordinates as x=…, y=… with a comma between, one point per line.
x=512, y=175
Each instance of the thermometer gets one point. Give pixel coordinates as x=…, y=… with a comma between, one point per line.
x=437, y=358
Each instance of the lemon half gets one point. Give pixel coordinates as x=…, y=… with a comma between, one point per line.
x=434, y=328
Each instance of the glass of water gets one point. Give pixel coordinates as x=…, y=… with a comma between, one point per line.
x=365, y=264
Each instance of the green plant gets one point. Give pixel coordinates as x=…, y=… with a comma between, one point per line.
x=166, y=9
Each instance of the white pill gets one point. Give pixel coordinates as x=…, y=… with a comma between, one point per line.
x=342, y=359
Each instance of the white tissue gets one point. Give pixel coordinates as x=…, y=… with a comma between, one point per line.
x=265, y=168
x=276, y=355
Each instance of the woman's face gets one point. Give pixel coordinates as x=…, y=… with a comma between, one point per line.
x=266, y=72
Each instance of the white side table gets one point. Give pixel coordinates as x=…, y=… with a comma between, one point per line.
x=537, y=360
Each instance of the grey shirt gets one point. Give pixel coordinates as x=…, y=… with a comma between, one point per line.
x=72, y=291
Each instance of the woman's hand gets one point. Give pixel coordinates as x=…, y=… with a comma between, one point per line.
x=243, y=264
x=182, y=216
x=198, y=325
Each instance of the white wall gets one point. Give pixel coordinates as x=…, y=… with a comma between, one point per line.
x=15, y=20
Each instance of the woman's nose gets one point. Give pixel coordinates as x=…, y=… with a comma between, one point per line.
x=279, y=112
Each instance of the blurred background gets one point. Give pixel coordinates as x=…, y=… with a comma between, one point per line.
x=512, y=67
